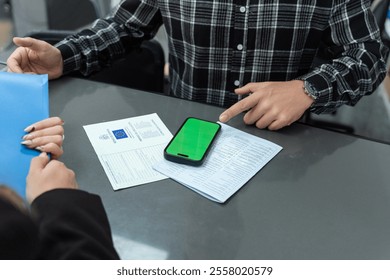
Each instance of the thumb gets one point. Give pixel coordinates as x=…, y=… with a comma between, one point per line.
x=244, y=90
x=39, y=162
x=29, y=42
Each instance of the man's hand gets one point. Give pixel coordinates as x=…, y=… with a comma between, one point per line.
x=270, y=104
x=46, y=175
x=46, y=136
x=35, y=56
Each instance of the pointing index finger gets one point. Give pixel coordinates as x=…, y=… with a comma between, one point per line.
x=241, y=106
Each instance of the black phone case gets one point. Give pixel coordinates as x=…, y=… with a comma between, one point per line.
x=183, y=159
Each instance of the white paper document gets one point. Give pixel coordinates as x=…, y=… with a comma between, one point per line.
x=235, y=158
x=128, y=148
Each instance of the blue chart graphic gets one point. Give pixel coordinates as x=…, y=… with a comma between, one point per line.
x=119, y=134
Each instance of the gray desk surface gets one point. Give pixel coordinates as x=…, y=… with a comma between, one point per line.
x=325, y=196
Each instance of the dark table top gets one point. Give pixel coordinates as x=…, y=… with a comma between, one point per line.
x=326, y=195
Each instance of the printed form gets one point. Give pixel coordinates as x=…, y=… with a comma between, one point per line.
x=233, y=160
x=128, y=148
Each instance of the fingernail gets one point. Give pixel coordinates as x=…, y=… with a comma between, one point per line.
x=40, y=148
x=27, y=137
x=29, y=128
x=43, y=154
x=26, y=142
x=223, y=118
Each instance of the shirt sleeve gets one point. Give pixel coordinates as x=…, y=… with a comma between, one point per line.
x=91, y=49
x=356, y=64
x=72, y=225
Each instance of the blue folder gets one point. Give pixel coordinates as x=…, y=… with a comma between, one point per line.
x=23, y=100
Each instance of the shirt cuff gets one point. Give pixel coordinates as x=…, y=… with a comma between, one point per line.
x=321, y=91
x=69, y=58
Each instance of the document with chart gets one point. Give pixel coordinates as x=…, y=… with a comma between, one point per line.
x=128, y=148
x=235, y=158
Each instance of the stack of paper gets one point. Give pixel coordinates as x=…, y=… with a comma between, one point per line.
x=128, y=148
x=131, y=153
x=234, y=159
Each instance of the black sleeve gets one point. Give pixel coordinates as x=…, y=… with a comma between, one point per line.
x=110, y=38
x=72, y=225
x=18, y=233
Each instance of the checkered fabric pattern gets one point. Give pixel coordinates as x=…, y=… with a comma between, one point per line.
x=216, y=46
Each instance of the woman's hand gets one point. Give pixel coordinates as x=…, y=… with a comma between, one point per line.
x=45, y=136
x=45, y=175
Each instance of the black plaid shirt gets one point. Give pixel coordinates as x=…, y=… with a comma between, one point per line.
x=217, y=46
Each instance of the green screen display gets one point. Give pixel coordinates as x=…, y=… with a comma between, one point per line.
x=193, y=139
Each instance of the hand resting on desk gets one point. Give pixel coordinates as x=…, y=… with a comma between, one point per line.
x=270, y=104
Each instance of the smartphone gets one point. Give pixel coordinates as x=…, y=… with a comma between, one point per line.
x=192, y=141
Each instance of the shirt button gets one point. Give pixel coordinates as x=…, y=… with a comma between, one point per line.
x=240, y=47
x=242, y=9
x=236, y=83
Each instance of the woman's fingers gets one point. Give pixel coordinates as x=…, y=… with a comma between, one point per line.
x=44, y=140
x=46, y=123
x=51, y=131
